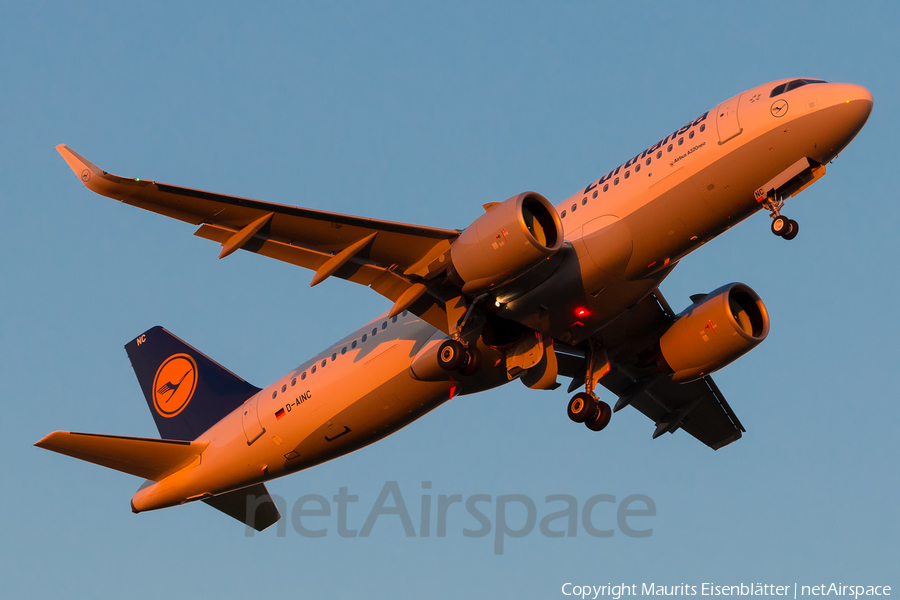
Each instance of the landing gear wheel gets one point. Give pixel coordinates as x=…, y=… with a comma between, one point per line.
x=451, y=355
x=793, y=230
x=601, y=417
x=580, y=407
x=781, y=225
x=472, y=362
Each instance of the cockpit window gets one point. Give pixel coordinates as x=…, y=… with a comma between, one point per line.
x=792, y=85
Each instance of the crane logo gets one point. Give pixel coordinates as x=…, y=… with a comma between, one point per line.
x=779, y=108
x=174, y=384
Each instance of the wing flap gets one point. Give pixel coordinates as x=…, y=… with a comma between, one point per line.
x=149, y=458
x=388, y=283
x=694, y=407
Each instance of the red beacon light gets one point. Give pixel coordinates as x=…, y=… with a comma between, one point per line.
x=581, y=312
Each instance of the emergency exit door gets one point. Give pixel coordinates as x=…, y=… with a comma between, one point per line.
x=727, y=119
x=253, y=429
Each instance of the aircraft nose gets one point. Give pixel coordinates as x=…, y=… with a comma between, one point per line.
x=858, y=92
x=854, y=105
x=857, y=102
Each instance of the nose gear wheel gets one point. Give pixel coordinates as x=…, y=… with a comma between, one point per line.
x=781, y=225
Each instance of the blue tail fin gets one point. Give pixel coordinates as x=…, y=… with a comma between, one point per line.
x=187, y=392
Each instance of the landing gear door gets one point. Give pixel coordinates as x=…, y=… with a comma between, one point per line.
x=727, y=120
x=253, y=429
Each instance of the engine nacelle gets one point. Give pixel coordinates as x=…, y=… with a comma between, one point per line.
x=508, y=240
x=715, y=331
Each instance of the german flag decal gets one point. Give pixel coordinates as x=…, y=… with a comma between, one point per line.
x=279, y=413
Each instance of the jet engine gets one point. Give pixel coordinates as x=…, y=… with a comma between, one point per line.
x=511, y=238
x=714, y=331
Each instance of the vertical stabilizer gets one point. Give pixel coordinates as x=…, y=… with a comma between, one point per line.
x=187, y=392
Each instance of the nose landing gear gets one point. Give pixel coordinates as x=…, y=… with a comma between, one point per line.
x=781, y=225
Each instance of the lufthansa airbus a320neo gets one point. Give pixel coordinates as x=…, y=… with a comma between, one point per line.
x=528, y=291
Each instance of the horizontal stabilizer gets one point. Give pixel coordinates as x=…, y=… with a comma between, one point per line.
x=145, y=457
x=252, y=506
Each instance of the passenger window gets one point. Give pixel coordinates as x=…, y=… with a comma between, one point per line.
x=605, y=187
x=283, y=388
x=324, y=362
x=394, y=320
x=313, y=370
x=616, y=181
x=669, y=149
x=384, y=325
x=702, y=128
x=344, y=350
x=648, y=161
x=302, y=375
x=364, y=338
x=274, y=394
x=637, y=168
x=691, y=135
x=374, y=331
x=627, y=174
x=585, y=200
x=574, y=206
x=293, y=382
x=563, y=215
x=659, y=154
x=404, y=313
x=334, y=357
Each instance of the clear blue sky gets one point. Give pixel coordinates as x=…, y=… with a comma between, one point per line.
x=421, y=112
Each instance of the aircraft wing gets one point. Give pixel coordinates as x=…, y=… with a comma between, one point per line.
x=698, y=407
x=394, y=259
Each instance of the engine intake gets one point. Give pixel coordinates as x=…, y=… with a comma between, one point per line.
x=714, y=332
x=508, y=240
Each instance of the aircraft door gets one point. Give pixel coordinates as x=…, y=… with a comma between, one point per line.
x=253, y=429
x=727, y=122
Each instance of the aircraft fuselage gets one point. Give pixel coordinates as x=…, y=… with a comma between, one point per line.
x=624, y=232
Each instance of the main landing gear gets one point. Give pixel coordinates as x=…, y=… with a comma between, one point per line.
x=585, y=407
x=781, y=225
x=454, y=356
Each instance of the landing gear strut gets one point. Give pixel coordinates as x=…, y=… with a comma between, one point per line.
x=456, y=355
x=585, y=407
x=781, y=225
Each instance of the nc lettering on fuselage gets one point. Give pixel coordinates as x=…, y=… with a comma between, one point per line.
x=298, y=400
x=648, y=151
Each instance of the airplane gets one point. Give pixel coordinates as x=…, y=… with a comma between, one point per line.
x=528, y=291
